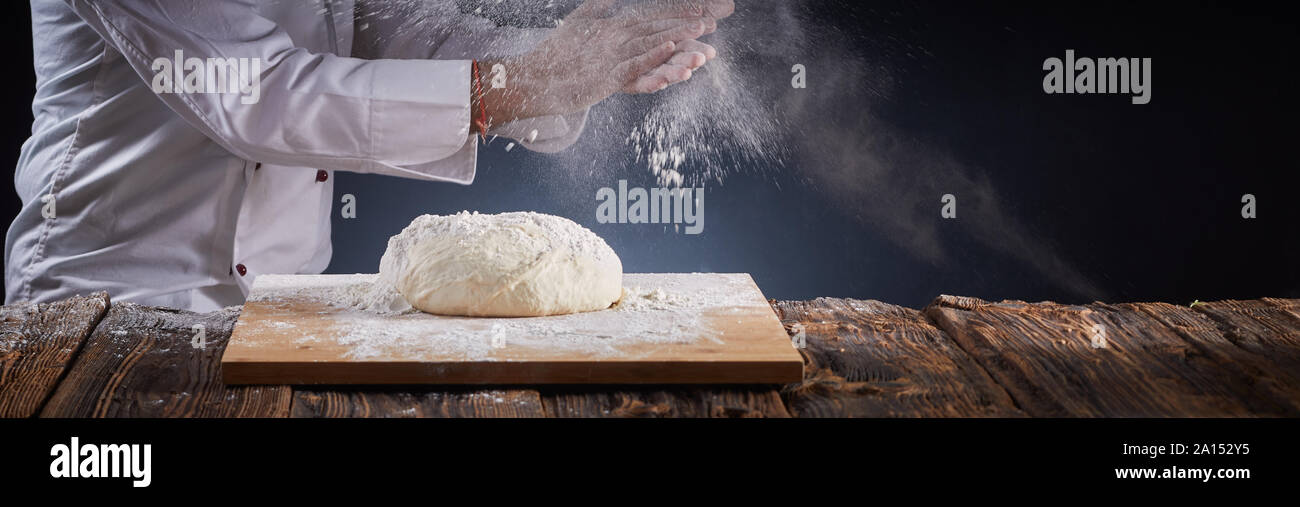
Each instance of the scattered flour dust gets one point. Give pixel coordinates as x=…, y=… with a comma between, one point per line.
x=373, y=322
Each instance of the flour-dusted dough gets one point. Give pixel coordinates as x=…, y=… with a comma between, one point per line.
x=507, y=265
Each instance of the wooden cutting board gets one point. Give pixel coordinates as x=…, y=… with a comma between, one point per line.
x=669, y=329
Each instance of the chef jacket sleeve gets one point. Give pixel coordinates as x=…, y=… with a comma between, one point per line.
x=400, y=117
x=417, y=31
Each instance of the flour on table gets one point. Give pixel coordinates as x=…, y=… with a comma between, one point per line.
x=654, y=310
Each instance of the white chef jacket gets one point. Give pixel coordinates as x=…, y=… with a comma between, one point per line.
x=181, y=200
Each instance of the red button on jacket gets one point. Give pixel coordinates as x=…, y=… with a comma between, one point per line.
x=321, y=176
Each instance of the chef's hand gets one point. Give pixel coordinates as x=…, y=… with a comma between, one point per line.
x=690, y=55
x=597, y=51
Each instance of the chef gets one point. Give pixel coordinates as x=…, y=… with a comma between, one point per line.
x=166, y=185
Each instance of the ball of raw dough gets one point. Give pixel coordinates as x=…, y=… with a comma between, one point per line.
x=507, y=265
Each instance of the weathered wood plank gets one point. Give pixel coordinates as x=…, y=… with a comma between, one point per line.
x=1264, y=357
x=1267, y=327
x=871, y=359
x=863, y=358
x=1290, y=306
x=676, y=401
x=1051, y=359
x=551, y=401
x=373, y=402
x=140, y=362
x=37, y=342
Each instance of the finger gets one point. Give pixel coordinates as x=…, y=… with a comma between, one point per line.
x=646, y=84
x=592, y=9
x=661, y=77
x=688, y=59
x=633, y=68
x=683, y=32
x=672, y=72
x=650, y=11
x=721, y=8
x=694, y=46
x=638, y=13
x=659, y=25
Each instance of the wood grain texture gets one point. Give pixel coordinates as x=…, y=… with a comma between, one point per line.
x=1259, y=356
x=140, y=362
x=1290, y=306
x=37, y=343
x=698, y=402
x=704, y=328
x=871, y=359
x=83, y=357
x=400, y=402
x=1044, y=355
x=1269, y=328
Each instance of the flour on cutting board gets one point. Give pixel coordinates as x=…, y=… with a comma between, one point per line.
x=373, y=322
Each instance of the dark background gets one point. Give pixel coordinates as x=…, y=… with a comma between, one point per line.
x=1141, y=201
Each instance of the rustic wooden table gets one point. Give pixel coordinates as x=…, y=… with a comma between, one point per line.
x=959, y=357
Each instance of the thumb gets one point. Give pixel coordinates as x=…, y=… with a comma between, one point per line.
x=592, y=9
